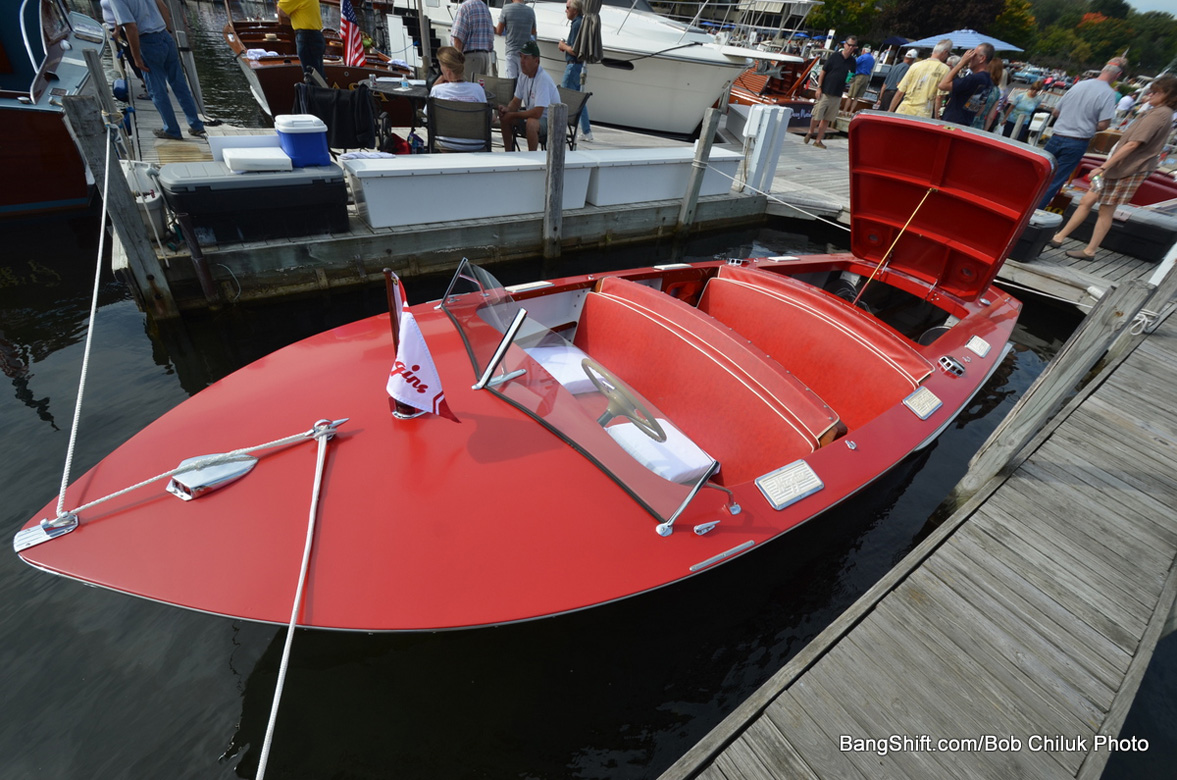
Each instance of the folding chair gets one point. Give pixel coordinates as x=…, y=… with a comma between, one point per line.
x=502, y=89
x=458, y=126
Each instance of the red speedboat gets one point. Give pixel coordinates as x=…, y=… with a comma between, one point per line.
x=616, y=433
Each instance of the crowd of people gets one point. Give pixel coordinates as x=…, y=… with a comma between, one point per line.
x=974, y=89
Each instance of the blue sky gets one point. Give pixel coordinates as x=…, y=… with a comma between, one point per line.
x=1142, y=6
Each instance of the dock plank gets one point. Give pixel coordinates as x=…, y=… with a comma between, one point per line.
x=814, y=746
x=1006, y=650
x=774, y=751
x=1049, y=664
x=1094, y=651
x=1107, y=557
x=1133, y=541
x=980, y=703
x=1074, y=597
x=863, y=716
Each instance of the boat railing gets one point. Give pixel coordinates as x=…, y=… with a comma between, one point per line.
x=24, y=31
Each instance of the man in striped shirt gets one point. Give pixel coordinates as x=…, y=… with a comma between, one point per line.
x=473, y=34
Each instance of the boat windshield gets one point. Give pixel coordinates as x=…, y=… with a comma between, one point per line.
x=542, y=373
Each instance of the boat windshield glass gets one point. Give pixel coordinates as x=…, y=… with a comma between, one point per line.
x=546, y=376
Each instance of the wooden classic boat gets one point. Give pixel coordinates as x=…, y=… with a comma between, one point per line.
x=42, y=61
x=783, y=83
x=266, y=51
x=616, y=432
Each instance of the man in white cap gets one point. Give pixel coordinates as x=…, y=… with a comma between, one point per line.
x=894, y=76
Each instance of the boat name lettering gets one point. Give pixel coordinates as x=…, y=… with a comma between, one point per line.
x=410, y=378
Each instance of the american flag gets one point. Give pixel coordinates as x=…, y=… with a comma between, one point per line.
x=353, y=43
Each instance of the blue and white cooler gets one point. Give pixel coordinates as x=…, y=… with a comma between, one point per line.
x=304, y=138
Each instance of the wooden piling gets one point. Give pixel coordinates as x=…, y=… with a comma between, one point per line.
x=85, y=119
x=105, y=98
x=554, y=183
x=686, y=214
x=1098, y=331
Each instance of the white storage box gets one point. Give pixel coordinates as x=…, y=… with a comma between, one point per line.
x=640, y=175
x=415, y=189
x=217, y=144
x=577, y=171
x=267, y=158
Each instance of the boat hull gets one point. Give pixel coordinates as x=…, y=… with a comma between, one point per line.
x=42, y=165
x=430, y=524
x=37, y=151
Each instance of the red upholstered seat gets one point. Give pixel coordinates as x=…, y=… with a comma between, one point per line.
x=734, y=402
x=856, y=363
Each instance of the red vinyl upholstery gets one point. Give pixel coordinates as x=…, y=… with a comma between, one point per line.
x=859, y=365
x=732, y=401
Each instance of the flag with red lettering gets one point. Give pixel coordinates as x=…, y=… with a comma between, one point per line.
x=413, y=379
x=353, y=39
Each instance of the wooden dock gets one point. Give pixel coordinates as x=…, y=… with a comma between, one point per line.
x=1011, y=642
x=809, y=183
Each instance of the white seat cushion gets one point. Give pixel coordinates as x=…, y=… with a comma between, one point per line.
x=677, y=459
x=562, y=361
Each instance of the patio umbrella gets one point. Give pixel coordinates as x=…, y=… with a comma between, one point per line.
x=963, y=39
x=588, y=43
x=894, y=40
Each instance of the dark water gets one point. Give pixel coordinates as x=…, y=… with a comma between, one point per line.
x=99, y=685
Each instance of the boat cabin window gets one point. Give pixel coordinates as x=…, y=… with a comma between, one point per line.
x=578, y=399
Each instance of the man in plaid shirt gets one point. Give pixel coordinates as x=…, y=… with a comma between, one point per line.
x=473, y=34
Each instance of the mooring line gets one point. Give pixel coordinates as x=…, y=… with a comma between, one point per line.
x=324, y=430
x=73, y=432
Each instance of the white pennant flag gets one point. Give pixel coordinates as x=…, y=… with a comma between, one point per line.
x=413, y=379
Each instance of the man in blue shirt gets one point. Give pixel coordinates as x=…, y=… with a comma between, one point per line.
x=864, y=67
x=145, y=25
x=968, y=93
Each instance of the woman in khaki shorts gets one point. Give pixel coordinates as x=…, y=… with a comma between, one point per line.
x=1134, y=158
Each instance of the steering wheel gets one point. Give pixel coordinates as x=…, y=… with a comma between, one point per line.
x=622, y=401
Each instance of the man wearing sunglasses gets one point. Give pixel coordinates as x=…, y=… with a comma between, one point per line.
x=829, y=86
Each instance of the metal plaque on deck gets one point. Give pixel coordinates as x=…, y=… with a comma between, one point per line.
x=923, y=402
x=789, y=484
x=978, y=345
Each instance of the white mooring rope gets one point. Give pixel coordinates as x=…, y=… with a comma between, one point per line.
x=73, y=432
x=323, y=432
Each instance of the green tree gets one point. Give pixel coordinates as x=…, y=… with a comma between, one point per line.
x=1107, y=37
x=848, y=17
x=923, y=18
x=1155, y=43
x=1016, y=24
x=1066, y=13
x=1115, y=9
x=1059, y=46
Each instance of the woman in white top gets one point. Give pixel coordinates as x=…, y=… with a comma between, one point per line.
x=451, y=85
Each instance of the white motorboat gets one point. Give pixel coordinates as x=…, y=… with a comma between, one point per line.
x=656, y=74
